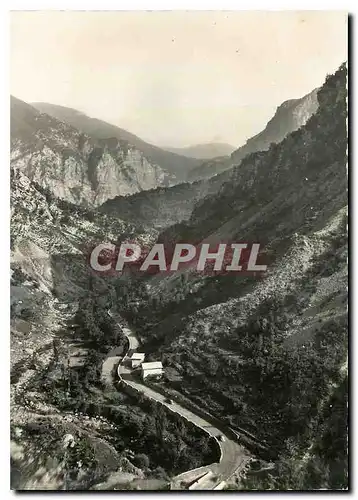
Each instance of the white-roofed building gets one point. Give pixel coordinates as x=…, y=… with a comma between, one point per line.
x=152, y=369
x=136, y=359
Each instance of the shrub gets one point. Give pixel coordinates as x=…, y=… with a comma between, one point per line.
x=141, y=460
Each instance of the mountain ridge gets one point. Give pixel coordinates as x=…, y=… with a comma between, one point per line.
x=289, y=116
x=175, y=164
x=204, y=150
x=149, y=207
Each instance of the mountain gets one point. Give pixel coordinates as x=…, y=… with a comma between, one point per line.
x=71, y=428
x=175, y=164
x=161, y=207
x=209, y=168
x=74, y=166
x=204, y=151
x=156, y=208
x=51, y=290
x=268, y=353
x=170, y=205
x=289, y=116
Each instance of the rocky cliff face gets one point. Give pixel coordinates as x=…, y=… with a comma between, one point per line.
x=73, y=165
x=177, y=165
x=204, y=151
x=164, y=206
x=161, y=207
x=289, y=116
x=64, y=434
x=269, y=353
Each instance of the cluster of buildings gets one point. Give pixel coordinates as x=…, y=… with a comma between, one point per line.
x=152, y=369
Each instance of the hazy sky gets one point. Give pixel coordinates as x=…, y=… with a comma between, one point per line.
x=175, y=78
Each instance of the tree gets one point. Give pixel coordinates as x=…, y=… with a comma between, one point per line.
x=141, y=460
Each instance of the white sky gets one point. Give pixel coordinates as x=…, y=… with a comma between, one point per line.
x=175, y=78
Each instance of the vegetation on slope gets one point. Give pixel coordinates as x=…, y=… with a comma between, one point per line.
x=269, y=355
x=61, y=333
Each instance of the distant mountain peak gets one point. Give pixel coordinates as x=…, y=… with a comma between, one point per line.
x=204, y=151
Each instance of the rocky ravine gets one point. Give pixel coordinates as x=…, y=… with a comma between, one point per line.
x=289, y=116
x=164, y=206
x=75, y=166
x=233, y=456
x=177, y=165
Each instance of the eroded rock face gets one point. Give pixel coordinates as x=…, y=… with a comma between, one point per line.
x=290, y=116
x=73, y=165
x=176, y=163
x=136, y=174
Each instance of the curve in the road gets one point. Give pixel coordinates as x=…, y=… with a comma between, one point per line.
x=233, y=456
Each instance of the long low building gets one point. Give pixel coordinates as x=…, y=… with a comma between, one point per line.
x=152, y=369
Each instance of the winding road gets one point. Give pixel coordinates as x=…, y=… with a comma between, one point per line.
x=233, y=456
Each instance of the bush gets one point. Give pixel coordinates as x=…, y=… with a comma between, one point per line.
x=141, y=460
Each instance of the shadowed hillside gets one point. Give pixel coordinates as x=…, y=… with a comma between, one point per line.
x=270, y=354
x=289, y=116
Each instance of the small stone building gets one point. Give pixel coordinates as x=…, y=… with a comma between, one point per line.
x=153, y=369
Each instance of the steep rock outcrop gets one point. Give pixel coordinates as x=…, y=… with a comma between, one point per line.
x=75, y=166
x=269, y=353
x=204, y=151
x=289, y=116
x=176, y=164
